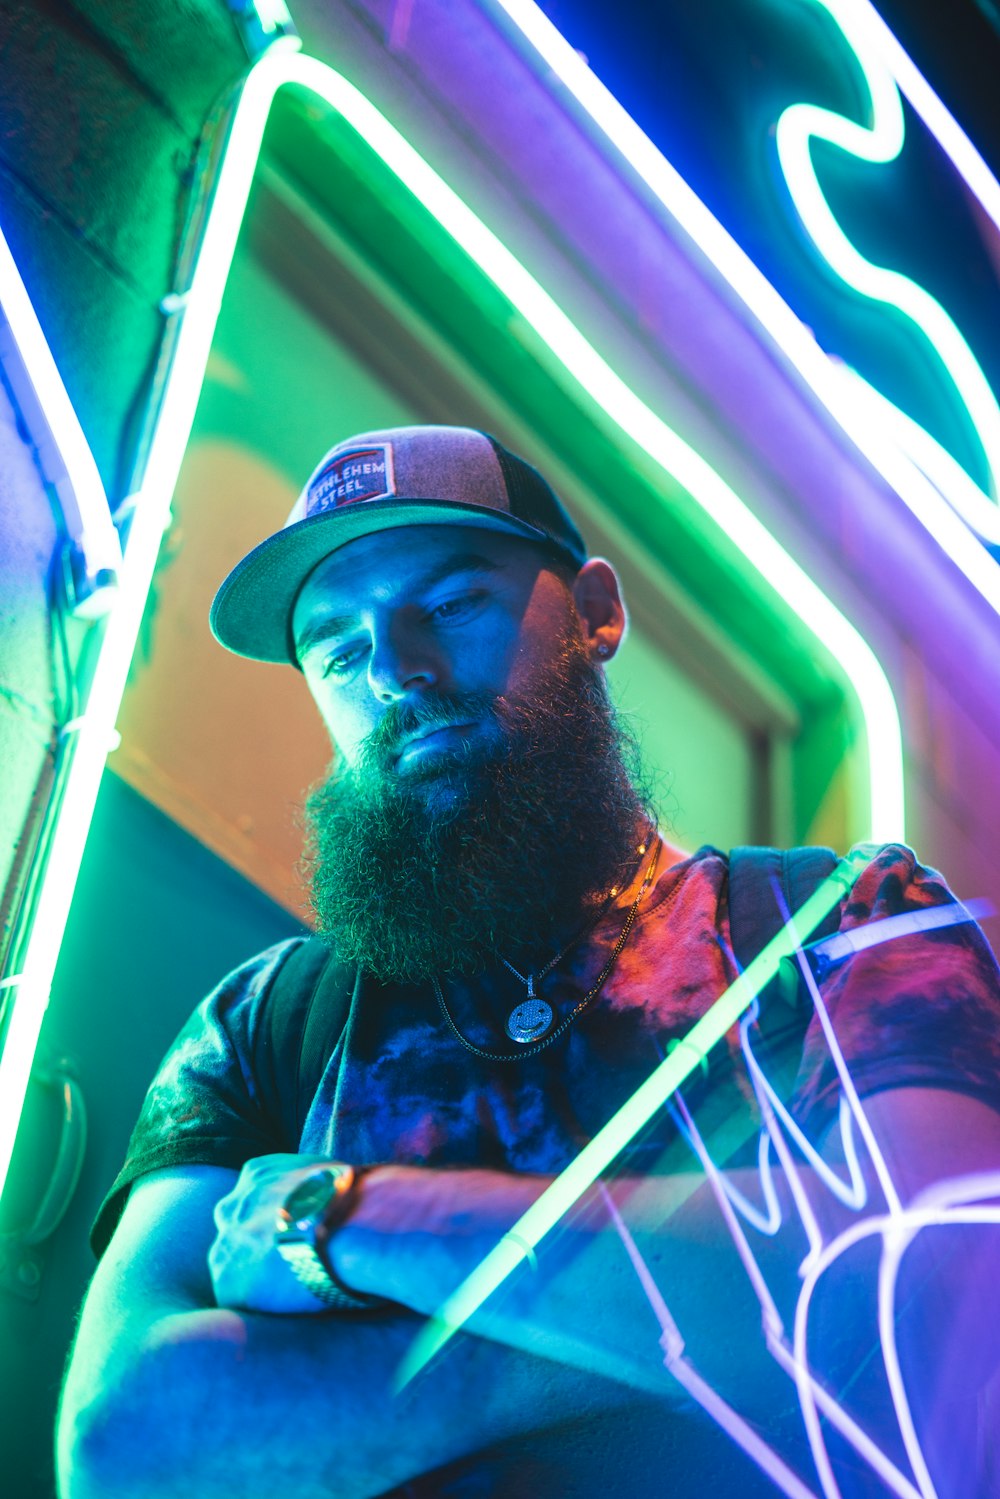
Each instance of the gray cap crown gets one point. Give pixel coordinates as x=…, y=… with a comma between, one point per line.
x=379, y=481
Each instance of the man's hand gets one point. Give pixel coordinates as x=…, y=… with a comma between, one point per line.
x=247, y=1270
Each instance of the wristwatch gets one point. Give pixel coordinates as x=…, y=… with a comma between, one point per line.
x=311, y=1213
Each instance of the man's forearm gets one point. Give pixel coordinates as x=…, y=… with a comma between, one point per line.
x=216, y=1402
x=418, y=1235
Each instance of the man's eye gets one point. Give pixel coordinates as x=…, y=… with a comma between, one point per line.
x=342, y=663
x=452, y=608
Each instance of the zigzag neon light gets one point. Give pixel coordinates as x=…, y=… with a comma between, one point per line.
x=197, y=308
x=961, y=1200
x=881, y=143
x=600, y=1152
x=859, y=418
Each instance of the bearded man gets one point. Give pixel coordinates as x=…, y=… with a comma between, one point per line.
x=508, y=948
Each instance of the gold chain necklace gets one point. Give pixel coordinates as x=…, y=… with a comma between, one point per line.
x=530, y=1023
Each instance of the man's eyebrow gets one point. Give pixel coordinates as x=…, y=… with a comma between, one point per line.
x=464, y=562
x=329, y=625
x=322, y=629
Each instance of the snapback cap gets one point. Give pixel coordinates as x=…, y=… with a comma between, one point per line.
x=379, y=481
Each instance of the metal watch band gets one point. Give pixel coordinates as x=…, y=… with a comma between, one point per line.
x=315, y=1276
x=337, y=1213
x=301, y=1242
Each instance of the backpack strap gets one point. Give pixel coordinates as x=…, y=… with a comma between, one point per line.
x=307, y=1009
x=754, y=913
x=755, y=917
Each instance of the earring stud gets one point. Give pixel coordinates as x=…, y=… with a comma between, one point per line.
x=603, y=650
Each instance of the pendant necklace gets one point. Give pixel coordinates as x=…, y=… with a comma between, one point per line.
x=532, y=1018
x=530, y=1023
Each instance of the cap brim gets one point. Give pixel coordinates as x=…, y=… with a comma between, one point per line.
x=252, y=611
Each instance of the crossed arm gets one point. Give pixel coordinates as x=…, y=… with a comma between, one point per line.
x=169, y=1393
x=173, y=1386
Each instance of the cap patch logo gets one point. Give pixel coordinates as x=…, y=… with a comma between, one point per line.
x=362, y=474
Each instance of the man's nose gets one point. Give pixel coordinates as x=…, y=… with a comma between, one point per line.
x=402, y=663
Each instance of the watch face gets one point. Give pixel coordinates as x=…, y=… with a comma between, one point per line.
x=301, y=1231
x=307, y=1204
x=310, y=1198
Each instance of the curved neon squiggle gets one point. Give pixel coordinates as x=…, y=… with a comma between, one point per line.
x=867, y=426
x=881, y=142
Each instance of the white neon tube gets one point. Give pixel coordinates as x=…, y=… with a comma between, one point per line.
x=63, y=451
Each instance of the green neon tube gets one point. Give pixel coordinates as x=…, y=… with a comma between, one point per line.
x=583, y=365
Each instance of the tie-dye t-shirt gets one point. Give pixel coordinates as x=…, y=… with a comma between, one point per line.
x=922, y=1009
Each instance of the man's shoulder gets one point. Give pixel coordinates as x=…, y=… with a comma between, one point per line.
x=243, y=994
x=891, y=878
x=268, y=1000
x=286, y=975
x=255, y=975
x=894, y=865
x=765, y=885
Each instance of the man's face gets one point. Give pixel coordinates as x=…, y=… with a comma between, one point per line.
x=406, y=619
x=481, y=800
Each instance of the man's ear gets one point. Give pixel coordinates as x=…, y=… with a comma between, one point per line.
x=597, y=595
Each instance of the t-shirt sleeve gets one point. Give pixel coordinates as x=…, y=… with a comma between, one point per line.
x=205, y=1106
x=918, y=1010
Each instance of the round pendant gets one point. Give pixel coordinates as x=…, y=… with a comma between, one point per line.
x=530, y=1021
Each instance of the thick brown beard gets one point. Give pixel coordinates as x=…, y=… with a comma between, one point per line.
x=500, y=853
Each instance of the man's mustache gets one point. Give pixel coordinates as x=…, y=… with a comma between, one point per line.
x=402, y=721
